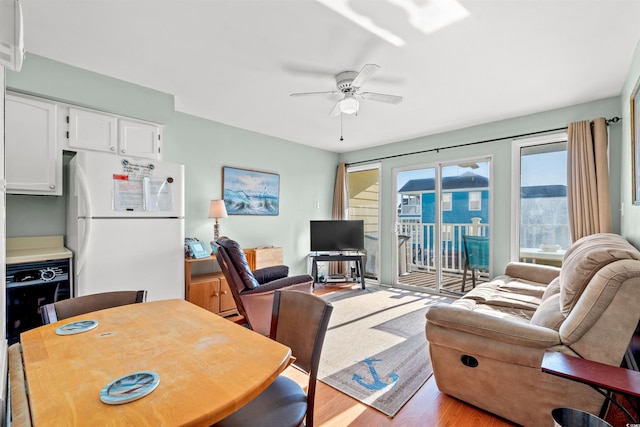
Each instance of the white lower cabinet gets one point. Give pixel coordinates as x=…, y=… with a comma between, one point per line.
x=33, y=158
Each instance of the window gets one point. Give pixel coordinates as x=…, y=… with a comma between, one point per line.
x=410, y=205
x=540, y=192
x=475, y=198
x=447, y=202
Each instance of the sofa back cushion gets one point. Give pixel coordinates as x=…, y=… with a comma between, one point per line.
x=583, y=260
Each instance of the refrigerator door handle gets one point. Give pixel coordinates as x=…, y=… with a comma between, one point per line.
x=84, y=193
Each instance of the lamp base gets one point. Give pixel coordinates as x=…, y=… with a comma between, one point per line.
x=216, y=231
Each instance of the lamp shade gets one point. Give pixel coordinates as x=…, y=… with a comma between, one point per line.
x=217, y=209
x=349, y=105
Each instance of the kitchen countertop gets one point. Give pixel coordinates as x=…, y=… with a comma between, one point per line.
x=34, y=249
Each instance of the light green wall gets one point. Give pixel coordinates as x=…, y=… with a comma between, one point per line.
x=51, y=79
x=306, y=174
x=630, y=214
x=501, y=169
x=306, y=178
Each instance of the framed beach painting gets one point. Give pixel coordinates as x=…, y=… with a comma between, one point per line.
x=635, y=143
x=248, y=192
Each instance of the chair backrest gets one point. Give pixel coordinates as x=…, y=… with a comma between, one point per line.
x=230, y=273
x=85, y=304
x=476, y=249
x=300, y=321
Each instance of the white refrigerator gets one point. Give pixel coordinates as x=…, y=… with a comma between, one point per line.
x=125, y=225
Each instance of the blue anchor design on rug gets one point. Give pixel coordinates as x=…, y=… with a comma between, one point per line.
x=377, y=383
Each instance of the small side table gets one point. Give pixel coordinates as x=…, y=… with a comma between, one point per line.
x=595, y=374
x=208, y=290
x=320, y=257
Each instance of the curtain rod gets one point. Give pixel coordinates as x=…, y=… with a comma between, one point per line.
x=437, y=150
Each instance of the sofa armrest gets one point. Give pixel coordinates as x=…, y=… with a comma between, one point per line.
x=532, y=272
x=268, y=274
x=495, y=328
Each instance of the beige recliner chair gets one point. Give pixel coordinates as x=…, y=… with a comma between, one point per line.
x=486, y=348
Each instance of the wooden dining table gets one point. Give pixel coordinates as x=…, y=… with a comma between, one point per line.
x=207, y=366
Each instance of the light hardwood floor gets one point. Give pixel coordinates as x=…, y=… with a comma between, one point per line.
x=428, y=407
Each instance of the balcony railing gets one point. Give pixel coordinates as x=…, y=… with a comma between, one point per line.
x=421, y=243
x=410, y=210
x=420, y=238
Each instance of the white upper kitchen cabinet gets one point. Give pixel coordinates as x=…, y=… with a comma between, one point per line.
x=92, y=130
x=33, y=158
x=139, y=139
x=98, y=131
x=11, y=35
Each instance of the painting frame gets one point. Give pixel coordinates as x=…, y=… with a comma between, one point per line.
x=250, y=192
x=635, y=144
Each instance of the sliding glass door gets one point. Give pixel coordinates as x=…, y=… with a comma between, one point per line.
x=442, y=226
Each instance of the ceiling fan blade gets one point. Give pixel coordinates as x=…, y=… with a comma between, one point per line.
x=364, y=74
x=301, y=69
x=381, y=97
x=336, y=110
x=331, y=92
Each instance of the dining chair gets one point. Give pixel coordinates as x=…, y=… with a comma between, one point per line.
x=299, y=321
x=476, y=251
x=66, y=308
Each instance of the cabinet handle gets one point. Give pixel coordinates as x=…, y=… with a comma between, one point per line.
x=52, y=187
x=113, y=148
x=123, y=151
x=224, y=292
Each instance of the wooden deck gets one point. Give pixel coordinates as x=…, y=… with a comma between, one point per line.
x=423, y=280
x=451, y=282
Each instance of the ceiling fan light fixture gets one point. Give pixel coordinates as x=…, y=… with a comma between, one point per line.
x=349, y=105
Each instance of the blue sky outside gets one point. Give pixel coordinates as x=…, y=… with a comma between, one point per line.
x=539, y=169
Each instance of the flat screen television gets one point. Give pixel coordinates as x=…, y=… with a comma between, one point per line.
x=337, y=235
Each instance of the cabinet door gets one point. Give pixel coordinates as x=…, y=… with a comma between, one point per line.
x=92, y=130
x=33, y=160
x=227, y=302
x=206, y=294
x=139, y=139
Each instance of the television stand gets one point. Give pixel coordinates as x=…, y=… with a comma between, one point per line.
x=331, y=257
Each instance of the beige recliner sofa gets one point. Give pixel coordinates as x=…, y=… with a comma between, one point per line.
x=486, y=348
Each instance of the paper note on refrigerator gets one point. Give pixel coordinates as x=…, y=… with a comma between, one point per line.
x=157, y=195
x=127, y=194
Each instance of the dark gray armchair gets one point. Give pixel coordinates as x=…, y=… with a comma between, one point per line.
x=253, y=290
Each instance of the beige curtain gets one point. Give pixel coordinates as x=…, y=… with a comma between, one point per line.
x=340, y=204
x=588, y=178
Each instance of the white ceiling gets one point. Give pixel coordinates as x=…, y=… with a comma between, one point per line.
x=237, y=61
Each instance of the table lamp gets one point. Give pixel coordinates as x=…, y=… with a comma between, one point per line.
x=217, y=210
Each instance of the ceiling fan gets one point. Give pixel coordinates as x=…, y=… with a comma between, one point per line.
x=349, y=84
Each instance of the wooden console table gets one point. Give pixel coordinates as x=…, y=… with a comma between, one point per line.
x=597, y=375
x=265, y=256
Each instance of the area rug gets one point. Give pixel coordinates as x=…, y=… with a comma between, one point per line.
x=375, y=349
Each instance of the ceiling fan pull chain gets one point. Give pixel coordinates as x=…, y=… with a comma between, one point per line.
x=341, y=115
